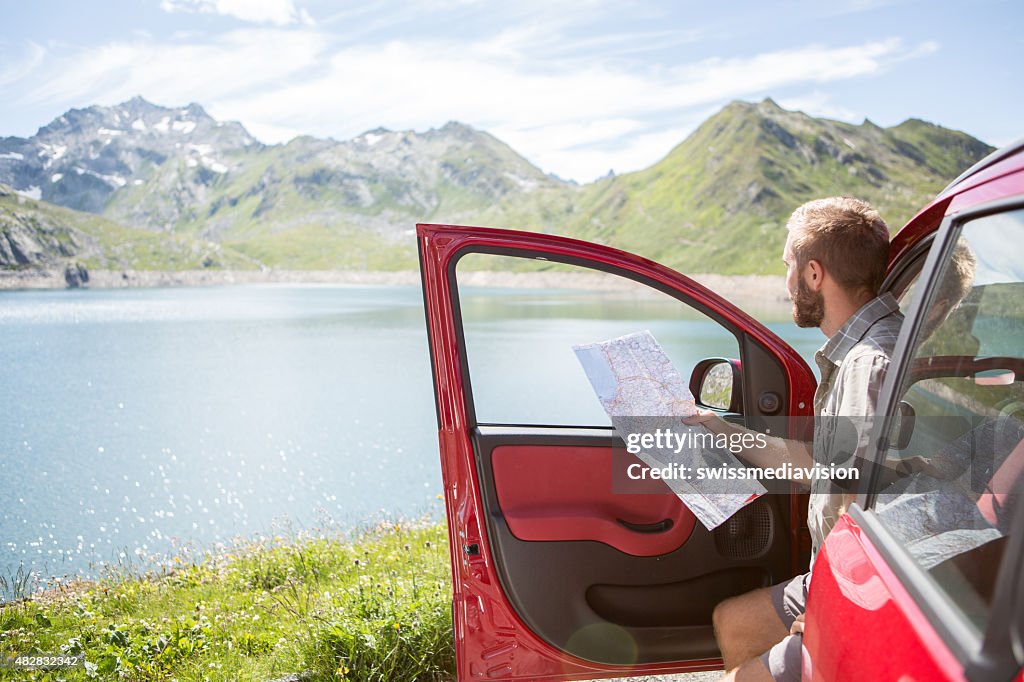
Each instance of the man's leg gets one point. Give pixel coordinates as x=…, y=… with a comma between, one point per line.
x=781, y=663
x=751, y=671
x=750, y=624
x=746, y=626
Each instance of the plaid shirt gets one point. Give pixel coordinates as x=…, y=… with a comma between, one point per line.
x=853, y=364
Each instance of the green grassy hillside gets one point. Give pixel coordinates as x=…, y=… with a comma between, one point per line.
x=36, y=234
x=719, y=201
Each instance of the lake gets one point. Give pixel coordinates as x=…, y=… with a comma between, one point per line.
x=140, y=420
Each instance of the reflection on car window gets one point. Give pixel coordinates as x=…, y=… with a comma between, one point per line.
x=906, y=297
x=959, y=443
x=521, y=318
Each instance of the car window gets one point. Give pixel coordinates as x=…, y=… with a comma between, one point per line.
x=955, y=465
x=521, y=318
x=906, y=297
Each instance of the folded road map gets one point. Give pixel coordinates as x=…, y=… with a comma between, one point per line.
x=644, y=394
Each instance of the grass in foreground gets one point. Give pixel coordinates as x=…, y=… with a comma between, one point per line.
x=377, y=608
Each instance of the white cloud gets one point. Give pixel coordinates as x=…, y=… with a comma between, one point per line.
x=723, y=78
x=589, y=162
x=854, y=6
x=820, y=104
x=264, y=132
x=923, y=50
x=403, y=84
x=278, y=12
x=16, y=69
x=179, y=72
x=549, y=115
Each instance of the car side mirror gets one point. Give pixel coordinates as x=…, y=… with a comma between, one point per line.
x=716, y=383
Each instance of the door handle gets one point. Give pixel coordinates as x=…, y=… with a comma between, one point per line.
x=656, y=527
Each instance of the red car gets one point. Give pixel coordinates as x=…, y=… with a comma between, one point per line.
x=560, y=573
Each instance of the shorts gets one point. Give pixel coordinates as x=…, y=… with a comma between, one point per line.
x=784, y=659
x=790, y=598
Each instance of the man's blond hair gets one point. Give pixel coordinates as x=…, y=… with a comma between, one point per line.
x=847, y=236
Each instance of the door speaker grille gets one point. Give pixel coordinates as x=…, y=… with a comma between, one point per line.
x=748, y=533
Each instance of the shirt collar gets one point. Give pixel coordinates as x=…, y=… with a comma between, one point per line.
x=854, y=329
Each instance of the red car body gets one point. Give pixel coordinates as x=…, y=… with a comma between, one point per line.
x=546, y=571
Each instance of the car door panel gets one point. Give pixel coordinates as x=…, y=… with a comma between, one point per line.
x=539, y=501
x=556, y=575
x=584, y=596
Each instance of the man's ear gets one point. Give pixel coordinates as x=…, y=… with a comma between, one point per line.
x=814, y=275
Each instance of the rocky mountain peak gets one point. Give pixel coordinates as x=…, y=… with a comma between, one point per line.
x=131, y=117
x=459, y=130
x=80, y=158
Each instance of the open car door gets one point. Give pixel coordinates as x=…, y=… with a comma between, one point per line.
x=555, y=575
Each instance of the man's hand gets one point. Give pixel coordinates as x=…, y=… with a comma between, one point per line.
x=797, y=628
x=711, y=421
x=776, y=452
x=920, y=465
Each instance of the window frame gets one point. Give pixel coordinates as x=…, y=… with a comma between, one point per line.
x=585, y=264
x=967, y=644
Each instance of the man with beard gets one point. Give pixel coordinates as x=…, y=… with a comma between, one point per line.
x=836, y=256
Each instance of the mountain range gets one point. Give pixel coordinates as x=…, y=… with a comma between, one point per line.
x=141, y=186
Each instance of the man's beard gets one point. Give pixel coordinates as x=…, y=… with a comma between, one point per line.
x=808, y=306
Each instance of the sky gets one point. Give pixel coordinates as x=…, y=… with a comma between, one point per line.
x=579, y=88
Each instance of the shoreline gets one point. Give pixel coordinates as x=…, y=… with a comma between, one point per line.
x=142, y=279
x=761, y=289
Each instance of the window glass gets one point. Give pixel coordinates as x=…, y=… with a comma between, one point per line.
x=955, y=464
x=522, y=317
x=906, y=297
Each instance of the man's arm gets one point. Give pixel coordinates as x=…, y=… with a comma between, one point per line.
x=862, y=382
x=777, y=451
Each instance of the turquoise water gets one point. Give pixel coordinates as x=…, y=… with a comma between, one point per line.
x=137, y=420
